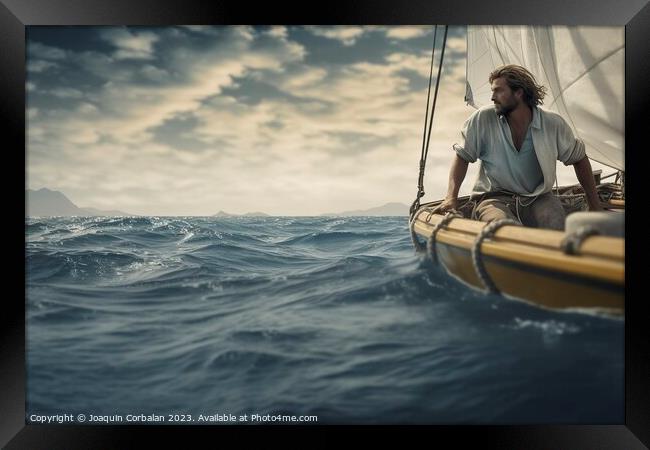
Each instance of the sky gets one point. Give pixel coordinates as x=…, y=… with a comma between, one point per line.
x=289, y=121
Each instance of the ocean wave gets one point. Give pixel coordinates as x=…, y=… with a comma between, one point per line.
x=332, y=316
x=83, y=264
x=334, y=238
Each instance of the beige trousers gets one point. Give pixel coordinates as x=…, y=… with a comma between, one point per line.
x=545, y=211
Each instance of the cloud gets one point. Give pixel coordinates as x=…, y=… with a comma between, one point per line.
x=137, y=108
x=40, y=65
x=307, y=76
x=278, y=32
x=87, y=108
x=408, y=32
x=345, y=34
x=333, y=136
x=64, y=92
x=153, y=73
x=131, y=45
x=197, y=28
x=41, y=51
x=456, y=45
x=374, y=121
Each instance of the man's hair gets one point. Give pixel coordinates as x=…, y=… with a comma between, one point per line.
x=519, y=78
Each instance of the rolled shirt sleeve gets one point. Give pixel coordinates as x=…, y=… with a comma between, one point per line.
x=468, y=149
x=570, y=149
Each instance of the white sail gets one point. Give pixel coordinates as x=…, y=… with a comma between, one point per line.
x=581, y=67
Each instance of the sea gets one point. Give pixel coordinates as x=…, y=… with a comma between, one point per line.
x=285, y=320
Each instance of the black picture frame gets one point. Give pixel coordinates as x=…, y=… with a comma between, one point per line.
x=16, y=15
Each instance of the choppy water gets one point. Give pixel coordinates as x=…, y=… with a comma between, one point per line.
x=333, y=317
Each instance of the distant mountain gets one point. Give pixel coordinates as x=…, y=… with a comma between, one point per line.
x=389, y=209
x=250, y=214
x=46, y=202
x=222, y=214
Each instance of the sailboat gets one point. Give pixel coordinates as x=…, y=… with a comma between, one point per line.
x=583, y=266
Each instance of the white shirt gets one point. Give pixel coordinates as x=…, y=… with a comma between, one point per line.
x=487, y=136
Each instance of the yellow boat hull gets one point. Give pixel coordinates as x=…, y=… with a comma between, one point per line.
x=529, y=264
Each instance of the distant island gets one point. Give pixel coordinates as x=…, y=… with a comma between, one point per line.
x=389, y=209
x=45, y=202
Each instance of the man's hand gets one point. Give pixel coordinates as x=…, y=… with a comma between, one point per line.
x=448, y=204
x=456, y=177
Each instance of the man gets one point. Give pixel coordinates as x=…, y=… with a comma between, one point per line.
x=518, y=145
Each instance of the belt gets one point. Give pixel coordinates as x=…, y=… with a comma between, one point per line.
x=502, y=193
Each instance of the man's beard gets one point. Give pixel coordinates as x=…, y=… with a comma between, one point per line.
x=505, y=109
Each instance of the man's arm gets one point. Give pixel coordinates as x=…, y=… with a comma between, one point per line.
x=456, y=176
x=586, y=179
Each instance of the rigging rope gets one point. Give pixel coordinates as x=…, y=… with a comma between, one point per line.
x=419, y=247
x=572, y=242
x=477, y=258
x=427, y=136
x=431, y=242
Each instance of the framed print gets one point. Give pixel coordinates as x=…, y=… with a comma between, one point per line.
x=216, y=234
